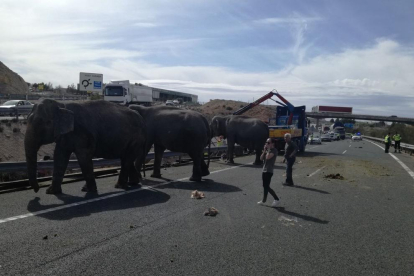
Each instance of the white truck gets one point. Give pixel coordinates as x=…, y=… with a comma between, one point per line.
x=125, y=93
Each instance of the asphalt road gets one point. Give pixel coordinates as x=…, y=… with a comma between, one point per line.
x=361, y=225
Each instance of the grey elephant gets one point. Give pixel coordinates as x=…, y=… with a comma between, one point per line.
x=177, y=130
x=91, y=129
x=248, y=132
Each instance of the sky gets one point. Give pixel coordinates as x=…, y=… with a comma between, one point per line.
x=357, y=53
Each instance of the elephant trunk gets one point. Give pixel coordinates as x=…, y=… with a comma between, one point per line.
x=31, y=146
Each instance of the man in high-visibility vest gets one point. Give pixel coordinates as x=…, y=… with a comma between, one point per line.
x=387, y=141
x=397, y=141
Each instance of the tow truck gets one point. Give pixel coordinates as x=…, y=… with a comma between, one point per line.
x=289, y=119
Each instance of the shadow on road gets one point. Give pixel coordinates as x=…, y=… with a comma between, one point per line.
x=304, y=217
x=125, y=201
x=311, y=189
x=207, y=185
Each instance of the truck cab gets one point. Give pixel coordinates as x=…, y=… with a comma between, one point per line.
x=125, y=93
x=117, y=92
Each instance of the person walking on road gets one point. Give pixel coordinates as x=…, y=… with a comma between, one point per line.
x=397, y=142
x=290, y=157
x=387, y=141
x=269, y=157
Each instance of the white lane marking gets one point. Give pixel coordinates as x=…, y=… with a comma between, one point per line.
x=407, y=169
x=312, y=148
x=349, y=145
x=344, y=152
x=315, y=172
x=104, y=197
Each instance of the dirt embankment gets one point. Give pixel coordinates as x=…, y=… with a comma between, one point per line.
x=12, y=132
x=12, y=142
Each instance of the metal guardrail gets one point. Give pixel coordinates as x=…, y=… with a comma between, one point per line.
x=405, y=147
x=100, y=162
x=14, y=111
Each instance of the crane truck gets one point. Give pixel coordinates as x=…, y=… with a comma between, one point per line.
x=289, y=119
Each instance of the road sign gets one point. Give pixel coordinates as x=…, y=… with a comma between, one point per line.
x=90, y=82
x=348, y=125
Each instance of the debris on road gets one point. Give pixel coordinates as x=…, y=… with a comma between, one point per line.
x=45, y=237
x=212, y=212
x=196, y=194
x=334, y=176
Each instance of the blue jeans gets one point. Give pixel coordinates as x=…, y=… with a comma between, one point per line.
x=289, y=166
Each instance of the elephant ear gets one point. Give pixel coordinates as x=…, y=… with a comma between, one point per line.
x=65, y=122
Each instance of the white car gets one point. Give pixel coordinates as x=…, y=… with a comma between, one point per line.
x=356, y=137
x=326, y=137
x=9, y=107
x=314, y=140
x=169, y=102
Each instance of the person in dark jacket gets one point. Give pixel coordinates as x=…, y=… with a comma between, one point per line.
x=269, y=157
x=290, y=157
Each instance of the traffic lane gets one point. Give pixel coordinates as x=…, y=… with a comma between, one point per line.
x=296, y=201
x=16, y=203
x=70, y=229
x=406, y=158
x=344, y=231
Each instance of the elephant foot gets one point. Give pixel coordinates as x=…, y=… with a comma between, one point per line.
x=205, y=172
x=53, y=190
x=121, y=185
x=156, y=175
x=92, y=189
x=195, y=178
x=133, y=183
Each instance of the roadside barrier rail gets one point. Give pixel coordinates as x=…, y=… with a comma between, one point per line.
x=405, y=147
x=99, y=162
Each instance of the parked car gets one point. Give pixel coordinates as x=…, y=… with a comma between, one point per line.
x=356, y=137
x=169, y=102
x=314, y=140
x=326, y=137
x=9, y=108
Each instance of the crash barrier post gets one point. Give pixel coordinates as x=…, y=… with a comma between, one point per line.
x=405, y=147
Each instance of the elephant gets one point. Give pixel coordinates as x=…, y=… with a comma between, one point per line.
x=177, y=130
x=248, y=132
x=91, y=129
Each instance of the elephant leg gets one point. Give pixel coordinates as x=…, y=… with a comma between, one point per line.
x=134, y=177
x=257, y=161
x=139, y=161
x=158, y=151
x=86, y=164
x=126, y=164
x=60, y=163
x=230, y=150
x=196, y=176
x=134, y=171
x=204, y=168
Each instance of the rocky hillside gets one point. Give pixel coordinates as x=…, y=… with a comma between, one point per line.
x=11, y=82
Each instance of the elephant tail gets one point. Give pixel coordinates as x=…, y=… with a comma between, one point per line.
x=209, y=146
x=144, y=159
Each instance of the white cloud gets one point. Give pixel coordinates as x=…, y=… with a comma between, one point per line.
x=287, y=20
